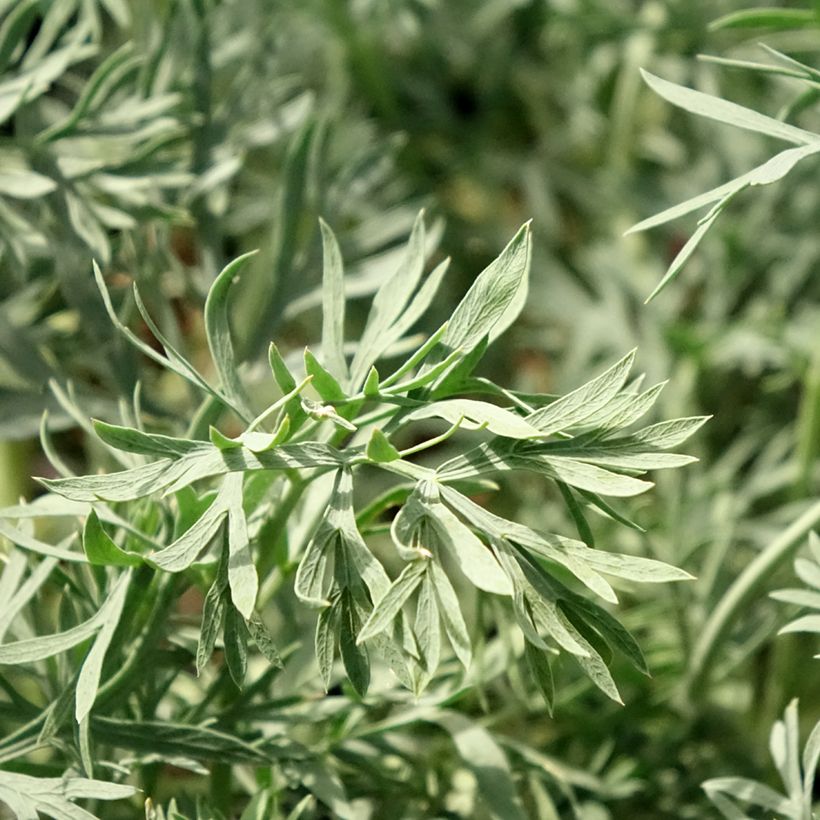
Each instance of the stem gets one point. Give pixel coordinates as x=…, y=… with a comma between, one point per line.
x=745, y=587
x=808, y=428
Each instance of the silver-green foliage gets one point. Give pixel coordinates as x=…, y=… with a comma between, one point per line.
x=579, y=441
x=773, y=170
x=808, y=571
x=797, y=773
x=280, y=499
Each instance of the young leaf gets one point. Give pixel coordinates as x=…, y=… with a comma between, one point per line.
x=218, y=330
x=388, y=304
x=379, y=449
x=333, y=305
x=493, y=302
x=101, y=550
x=371, y=384
x=213, y=613
x=324, y=382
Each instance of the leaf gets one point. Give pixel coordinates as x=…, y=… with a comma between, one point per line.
x=379, y=449
x=608, y=628
x=354, y=656
x=151, y=444
x=585, y=476
x=173, y=361
x=596, y=669
x=180, y=554
x=748, y=791
x=15, y=598
x=667, y=434
x=428, y=633
x=242, y=578
x=199, y=742
x=213, y=613
x=784, y=746
x=808, y=572
x=31, y=544
x=235, y=636
x=371, y=384
x=14, y=29
x=539, y=666
x=324, y=382
x=264, y=641
x=121, y=59
x=551, y=547
x=727, y=112
x=389, y=606
x=811, y=757
x=101, y=550
x=492, y=303
x=46, y=646
x=473, y=557
x=478, y=415
x=333, y=305
x=630, y=567
x=769, y=18
x=54, y=796
x=576, y=407
x=485, y=759
x=687, y=250
x=89, y=678
x=218, y=331
x=325, y=643
x=770, y=171
x=23, y=183
x=172, y=475
x=311, y=583
x=388, y=304
x=806, y=623
x=281, y=374
x=450, y=611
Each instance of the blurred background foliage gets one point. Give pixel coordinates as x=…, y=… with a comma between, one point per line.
x=164, y=137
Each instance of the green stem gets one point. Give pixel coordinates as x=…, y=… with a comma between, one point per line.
x=808, y=429
x=745, y=587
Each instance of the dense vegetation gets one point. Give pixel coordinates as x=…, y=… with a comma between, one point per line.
x=356, y=458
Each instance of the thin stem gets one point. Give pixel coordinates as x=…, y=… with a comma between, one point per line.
x=279, y=403
x=426, y=445
x=745, y=587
